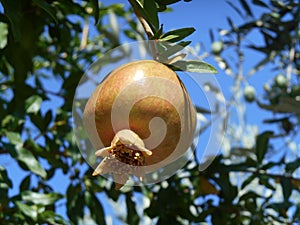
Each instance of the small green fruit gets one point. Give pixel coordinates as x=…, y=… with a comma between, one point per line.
x=280, y=81
x=275, y=15
x=267, y=88
x=249, y=93
x=217, y=47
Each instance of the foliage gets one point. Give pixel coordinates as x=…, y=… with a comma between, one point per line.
x=44, y=42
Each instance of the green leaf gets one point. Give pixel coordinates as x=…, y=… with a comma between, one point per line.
x=132, y=215
x=166, y=49
x=246, y=7
x=281, y=207
x=262, y=142
x=48, y=118
x=202, y=110
x=158, y=33
x=287, y=105
x=52, y=218
x=25, y=184
x=75, y=203
x=3, y=35
x=148, y=10
x=40, y=198
x=228, y=190
x=38, y=120
x=194, y=66
x=5, y=182
x=287, y=187
x=95, y=207
x=177, y=35
x=275, y=120
x=47, y=8
x=95, y=6
x=33, y=104
x=235, y=8
x=23, y=155
x=265, y=180
x=167, y=2
x=292, y=166
x=250, y=195
x=248, y=181
x=14, y=138
x=260, y=3
x=30, y=211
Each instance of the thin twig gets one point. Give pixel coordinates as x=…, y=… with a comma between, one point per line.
x=85, y=33
x=2, y=151
x=289, y=69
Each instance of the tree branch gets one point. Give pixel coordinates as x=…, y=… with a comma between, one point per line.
x=143, y=21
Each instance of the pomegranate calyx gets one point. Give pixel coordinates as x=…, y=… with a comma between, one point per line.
x=125, y=156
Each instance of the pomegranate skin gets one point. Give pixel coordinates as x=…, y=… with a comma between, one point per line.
x=132, y=97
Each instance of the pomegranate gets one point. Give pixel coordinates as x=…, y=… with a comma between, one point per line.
x=141, y=118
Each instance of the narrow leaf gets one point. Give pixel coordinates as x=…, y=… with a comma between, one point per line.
x=194, y=66
x=96, y=209
x=132, y=216
x=30, y=211
x=33, y=104
x=5, y=182
x=3, y=35
x=275, y=120
x=167, y=2
x=260, y=3
x=246, y=7
x=52, y=218
x=151, y=11
x=177, y=35
x=287, y=187
x=14, y=138
x=31, y=162
x=287, y=105
x=211, y=35
x=167, y=49
x=40, y=198
x=248, y=181
x=148, y=10
x=235, y=8
x=202, y=110
x=292, y=166
x=95, y=6
x=230, y=22
x=262, y=142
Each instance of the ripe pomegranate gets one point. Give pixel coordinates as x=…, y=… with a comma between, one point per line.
x=141, y=118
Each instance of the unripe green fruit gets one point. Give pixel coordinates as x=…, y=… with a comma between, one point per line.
x=217, y=47
x=275, y=15
x=267, y=88
x=280, y=81
x=249, y=93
